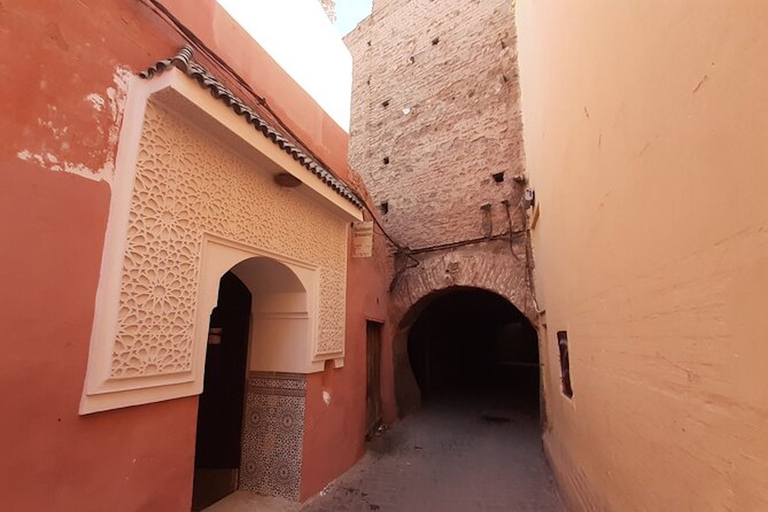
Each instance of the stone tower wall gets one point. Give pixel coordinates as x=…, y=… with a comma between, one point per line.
x=435, y=115
x=330, y=8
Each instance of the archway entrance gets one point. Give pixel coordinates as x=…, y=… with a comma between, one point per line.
x=472, y=342
x=251, y=411
x=475, y=443
x=220, y=409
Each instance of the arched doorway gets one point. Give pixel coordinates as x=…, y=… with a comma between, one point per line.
x=470, y=342
x=251, y=411
x=220, y=406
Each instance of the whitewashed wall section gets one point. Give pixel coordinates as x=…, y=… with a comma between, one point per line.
x=190, y=190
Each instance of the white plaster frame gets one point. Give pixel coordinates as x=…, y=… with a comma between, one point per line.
x=179, y=93
x=221, y=255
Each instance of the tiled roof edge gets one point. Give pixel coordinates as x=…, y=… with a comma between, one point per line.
x=185, y=62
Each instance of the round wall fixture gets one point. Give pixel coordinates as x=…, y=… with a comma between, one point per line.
x=287, y=180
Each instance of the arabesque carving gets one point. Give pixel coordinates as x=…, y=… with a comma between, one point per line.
x=188, y=184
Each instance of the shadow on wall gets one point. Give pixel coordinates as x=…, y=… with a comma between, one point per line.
x=466, y=340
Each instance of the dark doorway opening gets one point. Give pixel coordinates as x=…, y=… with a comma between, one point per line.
x=373, y=376
x=472, y=342
x=220, y=410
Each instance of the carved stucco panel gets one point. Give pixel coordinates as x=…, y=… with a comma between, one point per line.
x=188, y=184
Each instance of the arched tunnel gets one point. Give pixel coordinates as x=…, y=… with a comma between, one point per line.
x=467, y=387
x=474, y=343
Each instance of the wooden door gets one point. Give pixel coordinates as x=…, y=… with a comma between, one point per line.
x=373, y=381
x=220, y=410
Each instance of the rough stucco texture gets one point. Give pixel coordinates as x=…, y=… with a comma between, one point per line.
x=334, y=431
x=435, y=91
x=63, y=102
x=646, y=128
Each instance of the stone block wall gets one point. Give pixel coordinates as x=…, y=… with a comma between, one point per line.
x=330, y=8
x=436, y=114
x=436, y=135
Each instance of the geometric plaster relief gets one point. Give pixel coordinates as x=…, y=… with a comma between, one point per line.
x=187, y=185
x=194, y=196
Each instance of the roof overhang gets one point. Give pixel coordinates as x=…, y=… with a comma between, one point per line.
x=188, y=90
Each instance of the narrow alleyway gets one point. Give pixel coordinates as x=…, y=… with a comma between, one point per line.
x=461, y=452
x=475, y=443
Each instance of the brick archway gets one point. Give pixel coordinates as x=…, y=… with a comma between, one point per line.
x=500, y=272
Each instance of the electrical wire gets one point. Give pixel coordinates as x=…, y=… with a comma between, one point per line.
x=193, y=39
x=460, y=243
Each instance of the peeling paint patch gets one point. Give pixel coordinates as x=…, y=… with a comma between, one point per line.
x=57, y=132
x=111, y=103
x=117, y=96
x=96, y=100
x=50, y=162
x=326, y=397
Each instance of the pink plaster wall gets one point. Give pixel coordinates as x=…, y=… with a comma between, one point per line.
x=334, y=433
x=53, y=459
x=645, y=132
x=62, y=87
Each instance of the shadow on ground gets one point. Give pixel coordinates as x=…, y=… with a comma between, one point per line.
x=463, y=452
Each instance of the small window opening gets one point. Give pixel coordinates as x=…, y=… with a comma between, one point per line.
x=369, y=43
x=386, y=160
x=498, y=177
x=435, y=41
x=385, y=103
x=565, y=365
x=411, y=59
x=503, y=45
x=384, y=207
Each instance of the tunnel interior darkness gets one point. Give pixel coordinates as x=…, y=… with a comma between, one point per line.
x=468, y=340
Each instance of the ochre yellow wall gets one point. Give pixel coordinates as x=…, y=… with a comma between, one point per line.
x=646, y=134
